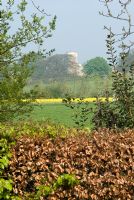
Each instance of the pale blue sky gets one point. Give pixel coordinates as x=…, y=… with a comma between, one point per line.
x=79, y=26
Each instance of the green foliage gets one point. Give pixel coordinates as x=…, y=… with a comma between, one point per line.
x=119, y=113
x=14, y=70
x=5, y=182
x=5, y=185
x=76, y=87
x=123, y=87
x=80, y=108
x=66, y=181
x=104, y=115
x=11, y=131
x=129, y=61
x=51, y=131
x=5, y=188
x=43, y=191
x=54, y=90
x=97, y=66
x=4, y=155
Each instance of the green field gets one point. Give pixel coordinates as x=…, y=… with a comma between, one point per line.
x=58, y=113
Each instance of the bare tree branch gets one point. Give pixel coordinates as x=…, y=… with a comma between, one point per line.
x=38, y=8
x=123, y=15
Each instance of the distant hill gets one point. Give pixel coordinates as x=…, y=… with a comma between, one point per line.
x=55, y=67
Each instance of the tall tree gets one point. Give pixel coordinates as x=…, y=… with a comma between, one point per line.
x=14, y=69
x=97, y=66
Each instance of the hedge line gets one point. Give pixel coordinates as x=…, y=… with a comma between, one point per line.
x=99, y=166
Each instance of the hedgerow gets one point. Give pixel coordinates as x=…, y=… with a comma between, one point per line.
x=102, y=164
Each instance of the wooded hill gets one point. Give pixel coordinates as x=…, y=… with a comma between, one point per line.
x=56, y=67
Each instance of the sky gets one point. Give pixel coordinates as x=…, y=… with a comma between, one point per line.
x=79, y=27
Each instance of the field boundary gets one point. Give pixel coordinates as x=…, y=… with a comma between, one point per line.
x=59, y=100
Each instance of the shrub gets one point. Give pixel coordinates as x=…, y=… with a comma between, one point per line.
x=5, y=181
x=10, y=131
x=65, y=181
x=120, y=113
x=103, y=164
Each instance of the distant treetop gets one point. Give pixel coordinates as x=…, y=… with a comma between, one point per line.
x=97, y=66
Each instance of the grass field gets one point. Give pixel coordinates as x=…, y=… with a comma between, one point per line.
x=55, y=112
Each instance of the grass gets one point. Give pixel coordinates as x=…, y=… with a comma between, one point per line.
x=58, y=113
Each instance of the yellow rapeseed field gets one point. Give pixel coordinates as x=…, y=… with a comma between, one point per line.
x=59, y=100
